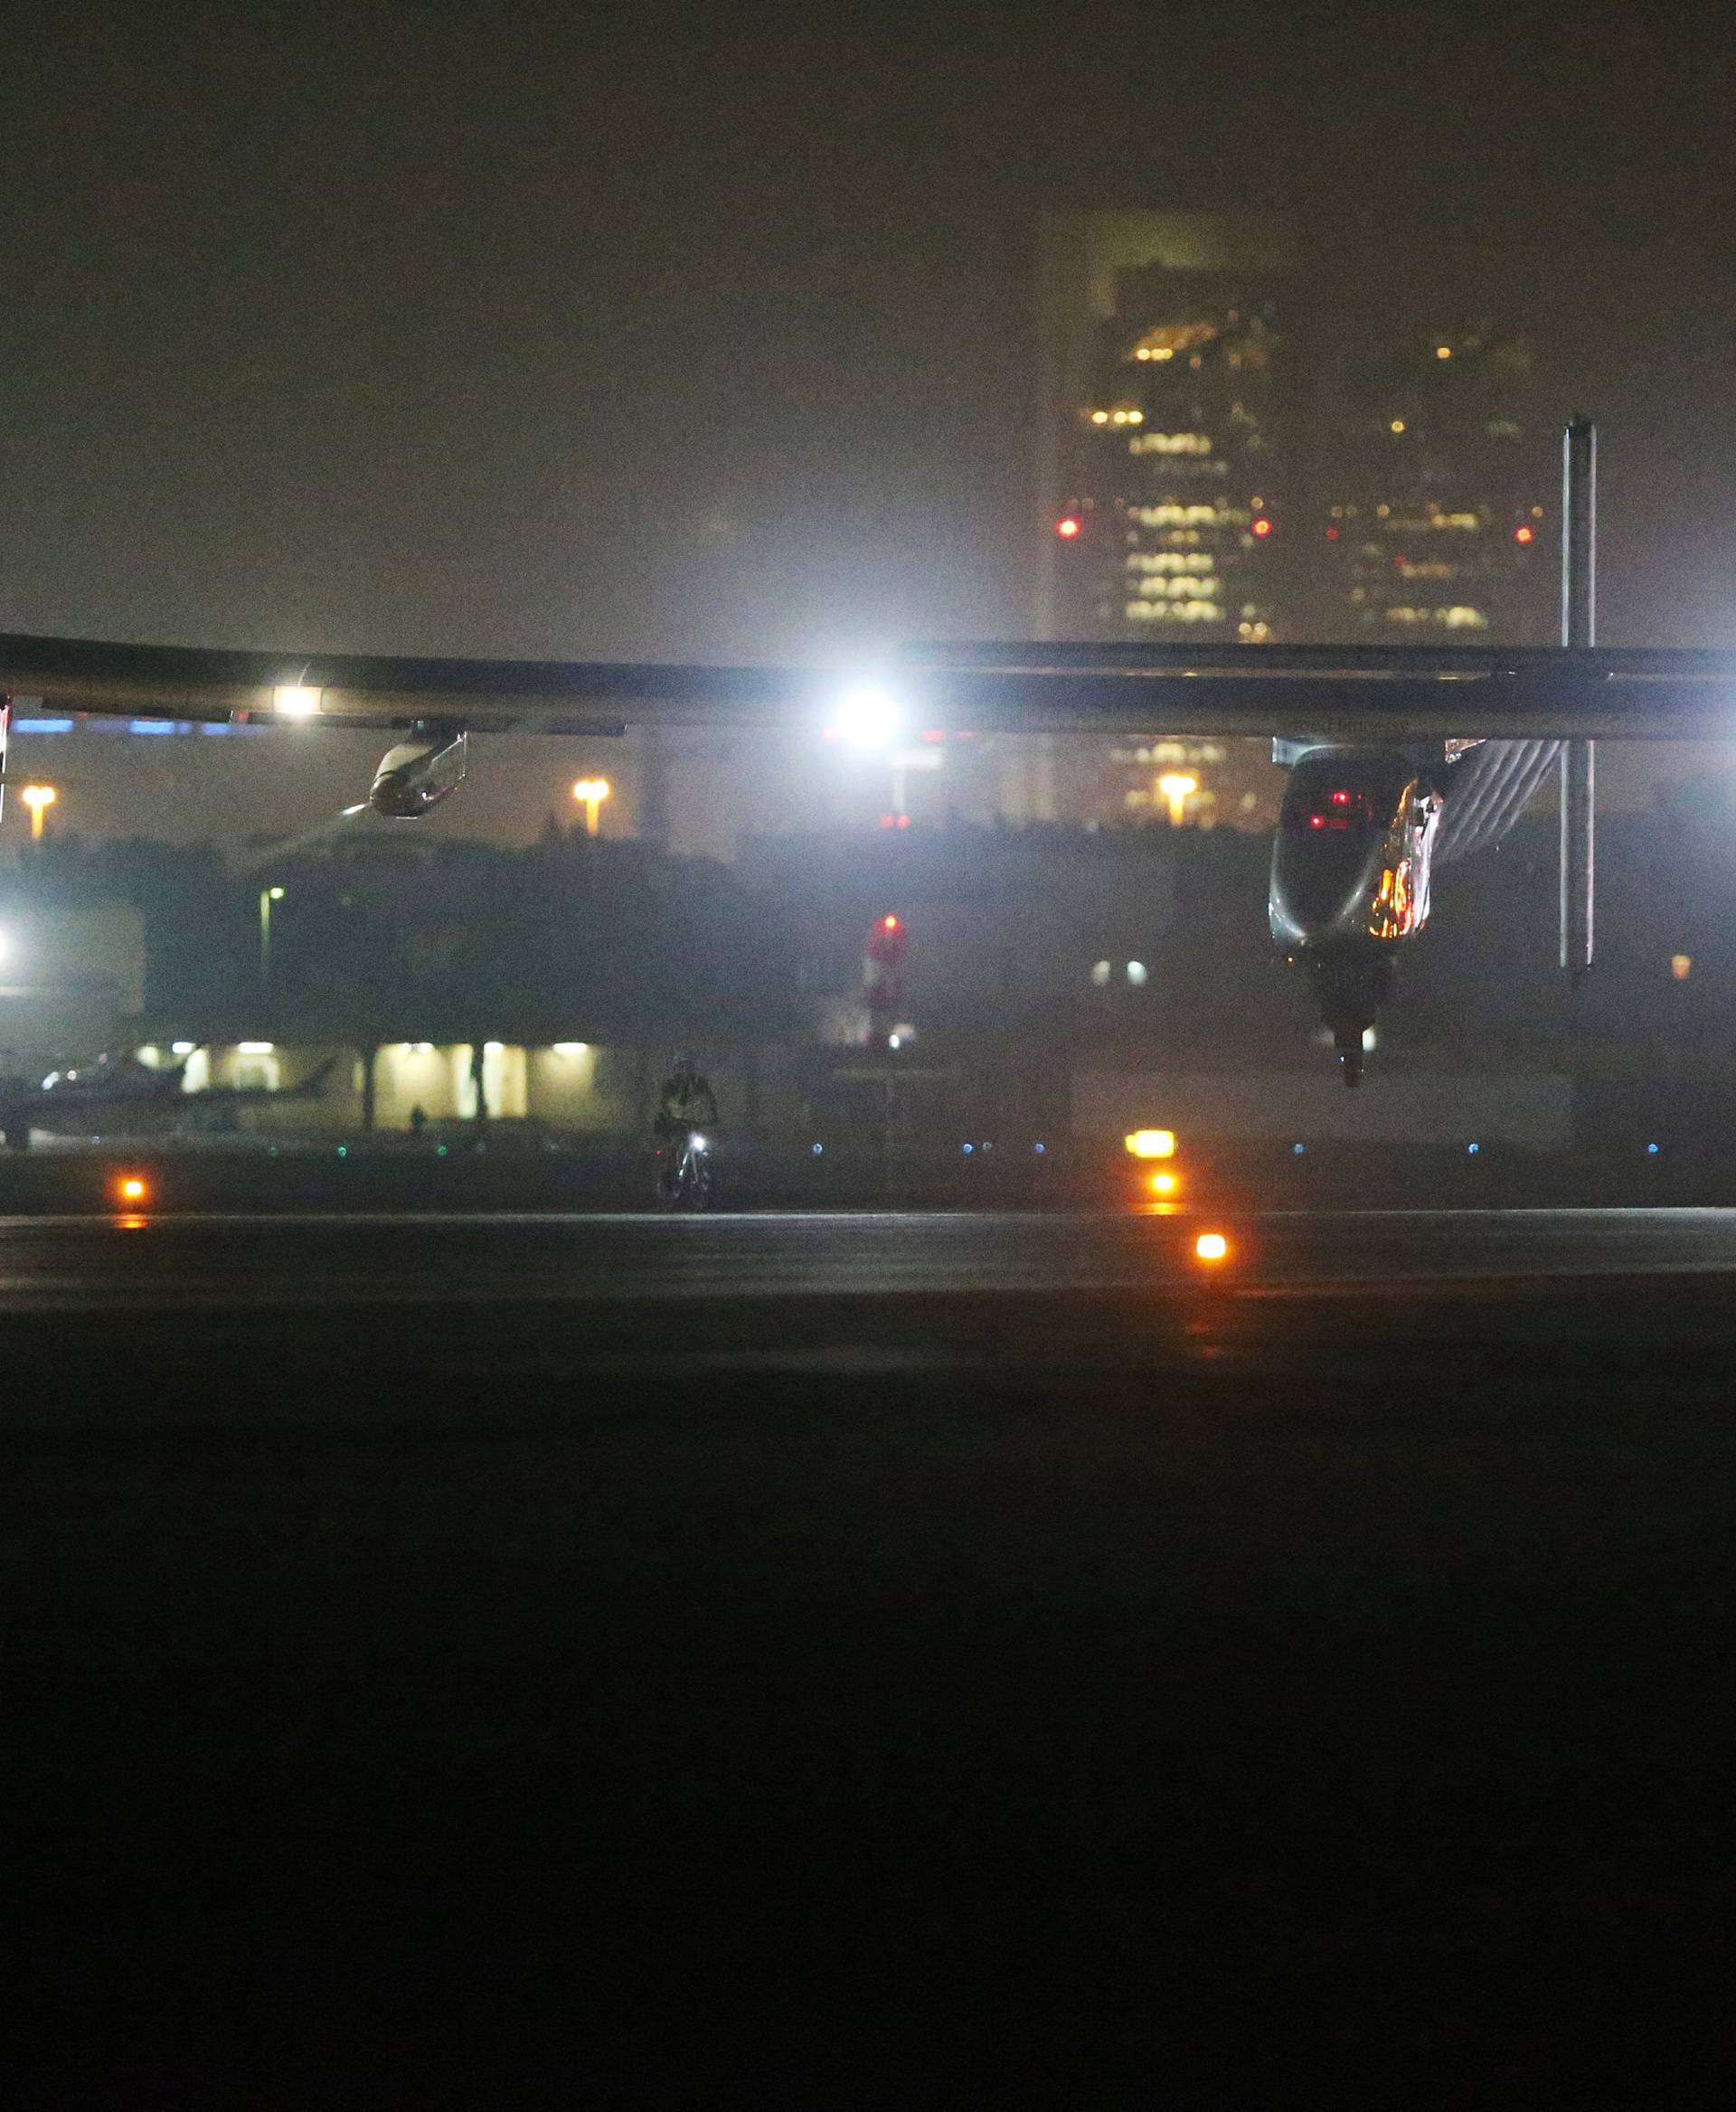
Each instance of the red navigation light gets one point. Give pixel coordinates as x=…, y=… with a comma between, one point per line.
x=1340, y=798
x=1067, y=527
x=1263, y=526
x=903, y=821
x=889, y=923
x=1523, y=534
x=1331, y=535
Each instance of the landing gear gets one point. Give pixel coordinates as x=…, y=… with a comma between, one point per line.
x=1350, y=986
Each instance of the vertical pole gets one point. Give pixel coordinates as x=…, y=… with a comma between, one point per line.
x=1579, y=757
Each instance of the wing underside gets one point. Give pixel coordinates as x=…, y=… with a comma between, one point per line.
x=1354, y=693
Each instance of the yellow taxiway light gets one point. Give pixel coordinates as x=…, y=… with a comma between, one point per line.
x=1151, y=1144
x=1212, y=1247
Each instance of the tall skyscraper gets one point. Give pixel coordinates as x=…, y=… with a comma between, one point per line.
x=1169, y=451
x=1435, y=494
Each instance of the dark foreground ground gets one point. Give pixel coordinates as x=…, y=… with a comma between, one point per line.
x=452, y=1686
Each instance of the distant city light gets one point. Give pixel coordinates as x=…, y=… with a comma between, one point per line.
x=1137, y=974
x=571, y=1048
x=1523, y=534
x=1177, y=786
x=255, y=1048
x=590, y=794
x=1212, y=1247
x=1681, y=965
x=1443, y=352
x=1100, y=973
x=1263, y=526
x=1163, y=1183
x=132, y=1188
x=1151, y=1144
x=39, y=799
x=1398, y=425
x=182, y=1048
x=291, y=701
x=1067, y=527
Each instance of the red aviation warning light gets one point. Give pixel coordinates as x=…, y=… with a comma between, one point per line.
x=887, y=939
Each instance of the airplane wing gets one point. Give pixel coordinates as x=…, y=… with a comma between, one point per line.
x=1346, y=692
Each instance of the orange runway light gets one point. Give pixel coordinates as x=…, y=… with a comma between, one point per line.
x=1212, y=1247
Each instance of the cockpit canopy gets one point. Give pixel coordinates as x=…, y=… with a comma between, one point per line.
x=1354, y=852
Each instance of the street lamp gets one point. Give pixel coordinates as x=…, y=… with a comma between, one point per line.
x=590, y=794
x=268, y=895
x=39, y=799
x=1178, y=788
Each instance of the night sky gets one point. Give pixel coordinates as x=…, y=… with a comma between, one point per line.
x=691, y=331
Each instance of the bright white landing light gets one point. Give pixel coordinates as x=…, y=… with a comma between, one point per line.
x=290, y=701
x=868, y=716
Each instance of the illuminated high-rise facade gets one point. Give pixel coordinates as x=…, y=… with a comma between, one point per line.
x=1434, y=514
x=1170, y=455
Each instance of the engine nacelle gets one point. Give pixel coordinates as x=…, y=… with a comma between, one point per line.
x=419, y=773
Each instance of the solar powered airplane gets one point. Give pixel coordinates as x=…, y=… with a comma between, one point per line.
x=1399, y=757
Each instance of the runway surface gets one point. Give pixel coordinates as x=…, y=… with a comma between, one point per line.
x=924, y=1661
x=114, y=1261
